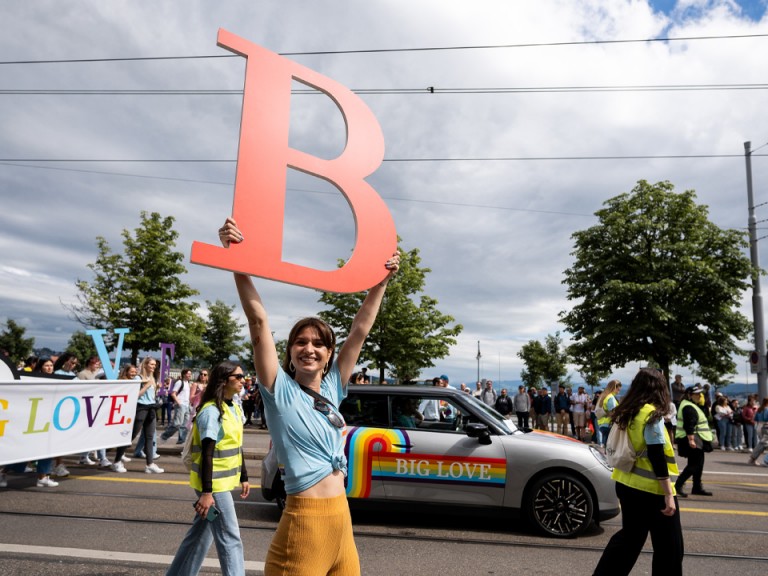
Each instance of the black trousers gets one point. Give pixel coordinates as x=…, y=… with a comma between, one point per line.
x=522, y=419
x=641, y=514
x=695, y=467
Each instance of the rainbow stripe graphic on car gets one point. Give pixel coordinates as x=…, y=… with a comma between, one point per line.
x=386, y=454
x=365, y=444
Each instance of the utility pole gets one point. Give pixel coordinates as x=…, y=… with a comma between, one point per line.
x=757, y=298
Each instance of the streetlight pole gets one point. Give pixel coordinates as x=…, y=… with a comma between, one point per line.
x=757, y=298
x=478, y=360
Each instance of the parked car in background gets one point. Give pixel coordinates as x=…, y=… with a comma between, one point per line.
x=465, y=456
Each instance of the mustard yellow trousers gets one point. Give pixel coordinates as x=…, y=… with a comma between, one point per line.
x=314, y=538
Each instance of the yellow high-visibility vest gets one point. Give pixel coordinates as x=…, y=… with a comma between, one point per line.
x=702, y=429
x=642, y=476
x=227, y=454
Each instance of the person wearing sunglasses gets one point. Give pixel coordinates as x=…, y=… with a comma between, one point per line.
x=217, y=468
x=301, y=400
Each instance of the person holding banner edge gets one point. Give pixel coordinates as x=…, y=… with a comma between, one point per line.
x=301, y=400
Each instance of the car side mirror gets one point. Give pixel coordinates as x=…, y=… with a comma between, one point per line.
x=479, y=431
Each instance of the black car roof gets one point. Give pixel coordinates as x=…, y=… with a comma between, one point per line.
x=405, y=390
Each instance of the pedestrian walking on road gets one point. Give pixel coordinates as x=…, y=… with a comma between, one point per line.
x=646, y=494
x=217, y=468
x=761, y=418
x=301, y=400
x=694, y=438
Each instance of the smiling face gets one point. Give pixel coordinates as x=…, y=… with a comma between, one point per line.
x=309, y=352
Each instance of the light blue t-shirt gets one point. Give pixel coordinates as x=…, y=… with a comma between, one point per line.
x=208, y=424
x=149, y=395
x=308, y=446
x=654, y=432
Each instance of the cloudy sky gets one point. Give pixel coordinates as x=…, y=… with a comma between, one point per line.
x=489, y=176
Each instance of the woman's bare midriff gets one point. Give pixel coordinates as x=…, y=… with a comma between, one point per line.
x=329, y=487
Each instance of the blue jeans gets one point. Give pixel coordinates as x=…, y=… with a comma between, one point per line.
x=224, y=531
x=142, y=441
x=180, y=417
x=749, y=436
x=725, y=432
x=735, y=435
x=44, y=466
x=604, y=431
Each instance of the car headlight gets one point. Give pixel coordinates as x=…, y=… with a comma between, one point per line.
x=600, y=457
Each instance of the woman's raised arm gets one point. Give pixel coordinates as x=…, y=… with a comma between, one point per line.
x=264, y=352
x=363, y=322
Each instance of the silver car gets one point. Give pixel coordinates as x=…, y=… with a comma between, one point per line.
x=423, y=445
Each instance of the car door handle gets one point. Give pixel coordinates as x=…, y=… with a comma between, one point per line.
x=403, y=445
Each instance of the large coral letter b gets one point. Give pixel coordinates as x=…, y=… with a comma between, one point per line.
x=260, y=184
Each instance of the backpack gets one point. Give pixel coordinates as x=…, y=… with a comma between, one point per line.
x=619, y=450
x=600, y=409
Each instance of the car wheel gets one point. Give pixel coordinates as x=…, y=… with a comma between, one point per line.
x=559, y=505
x=278, y=489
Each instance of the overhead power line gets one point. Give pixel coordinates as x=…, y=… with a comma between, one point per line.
x=388, y=198
x=396, y=50
x=389, y=91
x=435, y=159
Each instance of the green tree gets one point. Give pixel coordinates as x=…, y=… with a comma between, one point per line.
x=142, y=290
x=12, y=340
x=409, y=332
x=544, y=363
x=657, y=281
x=223, y=333
x=715, y=378
x=246, y=357
x=81, y=344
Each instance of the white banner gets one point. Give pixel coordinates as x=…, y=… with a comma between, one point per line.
x=42, y=418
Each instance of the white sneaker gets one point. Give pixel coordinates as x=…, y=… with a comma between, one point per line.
x=153, y=469
x=118, y=467
x=3, y=480
x=156, y=457
x=125, y=459
x=46, y=482
x=60, y=471
x=87, y=461
x=104, y=462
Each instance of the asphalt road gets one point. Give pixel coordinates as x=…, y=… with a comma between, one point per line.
x=99, y=522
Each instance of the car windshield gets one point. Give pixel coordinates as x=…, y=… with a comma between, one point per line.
x=495, y=416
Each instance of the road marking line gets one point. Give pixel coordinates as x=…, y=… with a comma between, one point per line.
x=134, y=480
x=750, y=484
x=731, y=512
x=761, y=474
x=140, y=480
x=102, y=555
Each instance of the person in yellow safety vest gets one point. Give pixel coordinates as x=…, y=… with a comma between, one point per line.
x=646, y=494
x=217, y=469
x=693, y=436
x=609, y=402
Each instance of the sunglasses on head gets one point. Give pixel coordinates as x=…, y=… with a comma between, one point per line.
x=333, y=417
